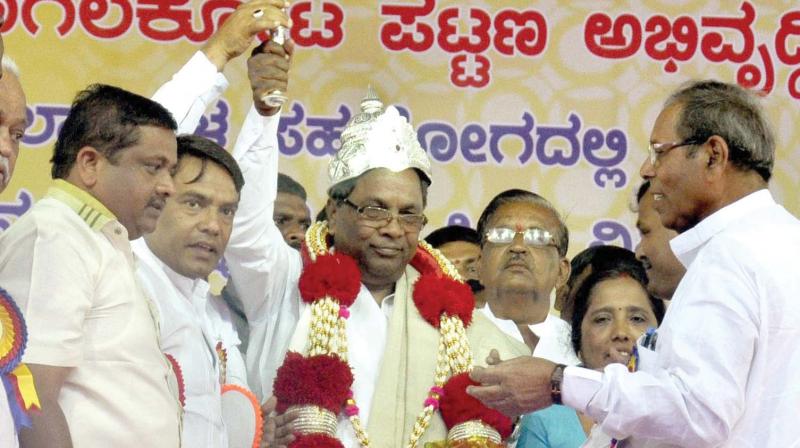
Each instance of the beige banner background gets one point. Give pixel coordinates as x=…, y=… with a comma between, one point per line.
x=556, y=97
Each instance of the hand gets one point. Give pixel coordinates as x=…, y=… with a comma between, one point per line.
x=278, y=429
x=514, y=387
x=268, y=70
x=236, y=35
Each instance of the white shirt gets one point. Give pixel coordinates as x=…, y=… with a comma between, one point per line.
x=196, y=326
x=193, y=332
x=265, y=272
x=8, y=435
x=69, y=267
x=725, y=370
x=554, y=337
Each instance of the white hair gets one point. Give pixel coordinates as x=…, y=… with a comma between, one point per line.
x=10, y=66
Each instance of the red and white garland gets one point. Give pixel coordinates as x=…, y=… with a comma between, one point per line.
x=319, y=383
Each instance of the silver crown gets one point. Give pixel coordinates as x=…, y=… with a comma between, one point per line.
x=377, y=138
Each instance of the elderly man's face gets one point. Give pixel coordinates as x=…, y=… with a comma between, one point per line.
x=664, y=271
x=677, y=180
x=13, y=121
x=382, y=250
x=517, y=267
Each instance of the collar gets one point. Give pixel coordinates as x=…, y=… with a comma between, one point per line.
x=92, y=211
x=687, y=244
x=541, y=329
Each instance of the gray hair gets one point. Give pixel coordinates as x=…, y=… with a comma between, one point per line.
x=517, y=195
x=715, y=108
x=10, y=66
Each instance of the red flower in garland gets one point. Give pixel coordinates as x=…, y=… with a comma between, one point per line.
x=457, y=407
x=436, y=294
x=334, y=275
x=315, y=441
x=321, y=380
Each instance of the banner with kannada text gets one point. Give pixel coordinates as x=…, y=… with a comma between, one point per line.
x=553, y=96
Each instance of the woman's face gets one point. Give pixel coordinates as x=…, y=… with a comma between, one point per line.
x=619, y=312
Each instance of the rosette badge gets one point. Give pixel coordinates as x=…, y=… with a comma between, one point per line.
x=16, y=378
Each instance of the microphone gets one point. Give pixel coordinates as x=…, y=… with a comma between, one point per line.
x=276, y=98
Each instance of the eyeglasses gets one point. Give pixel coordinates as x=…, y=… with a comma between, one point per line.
x=656, y=150
x=535, y=236
x=377, y=217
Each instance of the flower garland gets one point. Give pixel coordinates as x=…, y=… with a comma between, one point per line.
x=330, y=284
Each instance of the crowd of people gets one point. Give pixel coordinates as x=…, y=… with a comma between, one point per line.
x=353, y=331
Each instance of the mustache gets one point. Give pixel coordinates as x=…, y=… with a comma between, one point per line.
x=157, y=202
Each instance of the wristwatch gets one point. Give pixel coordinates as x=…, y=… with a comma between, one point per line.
x=556, y=378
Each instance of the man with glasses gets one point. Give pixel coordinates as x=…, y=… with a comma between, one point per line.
x=724, y=369
x=379, y=181
x=523, y=260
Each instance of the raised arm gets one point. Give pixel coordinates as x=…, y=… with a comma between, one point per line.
x=200, y=82
x=262, y=265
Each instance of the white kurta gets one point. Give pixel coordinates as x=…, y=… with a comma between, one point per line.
x=265, y=271
x=725, y=371
x=193, y=321
x=8, y=435
x=191, y=329
x=70, y=268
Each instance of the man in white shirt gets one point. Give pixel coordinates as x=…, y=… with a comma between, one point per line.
x=174, y=262
x=375, y=215
x=93, y=341
x=13, y=122
x=724, y=370
x=523, y=260
x=176, y=259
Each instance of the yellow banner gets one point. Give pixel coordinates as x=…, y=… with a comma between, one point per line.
x=555, y=97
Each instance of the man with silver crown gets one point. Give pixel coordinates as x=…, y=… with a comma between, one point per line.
x=363, y=294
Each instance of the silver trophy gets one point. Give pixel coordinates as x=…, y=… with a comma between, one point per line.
x=276, y=98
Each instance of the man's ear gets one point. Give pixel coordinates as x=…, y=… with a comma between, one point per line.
x=477, y=265
x=330, y=212
x=564, y=269
x=88, y=163
x=717, y=153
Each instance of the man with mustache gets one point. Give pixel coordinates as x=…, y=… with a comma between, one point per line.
x=664, y=271
x=93, y=345
x=522, y=261
x=176, y=259
x=378, y=188
x=724, y=369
